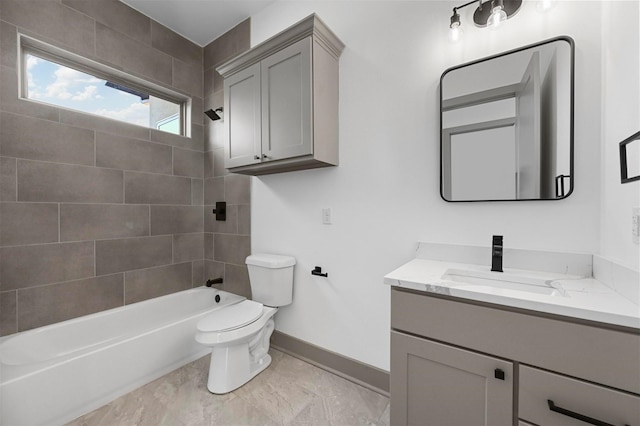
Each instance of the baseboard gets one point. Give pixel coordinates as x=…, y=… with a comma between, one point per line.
x=360, y=373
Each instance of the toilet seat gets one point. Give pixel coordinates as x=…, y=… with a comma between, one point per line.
x=231, y=317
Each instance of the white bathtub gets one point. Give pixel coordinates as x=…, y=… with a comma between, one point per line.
x=53, y=374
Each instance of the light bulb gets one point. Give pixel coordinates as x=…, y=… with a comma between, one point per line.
x=455, y=33
x=545, y=5
x=497, y=17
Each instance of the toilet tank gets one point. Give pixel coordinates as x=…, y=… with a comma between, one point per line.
x=271, y=278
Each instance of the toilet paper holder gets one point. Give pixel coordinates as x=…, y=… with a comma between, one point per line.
x=317, y=271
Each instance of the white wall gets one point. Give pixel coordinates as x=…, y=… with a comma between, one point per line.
x=385, y=193
x=621, y=119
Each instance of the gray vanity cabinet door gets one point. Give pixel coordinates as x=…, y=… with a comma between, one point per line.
x=437, y=384
x=243, y=116
x=286, y=102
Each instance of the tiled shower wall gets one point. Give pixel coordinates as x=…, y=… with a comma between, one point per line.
x=96, y=213
x=227, y=244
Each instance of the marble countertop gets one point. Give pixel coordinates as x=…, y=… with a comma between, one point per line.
x=576, y=296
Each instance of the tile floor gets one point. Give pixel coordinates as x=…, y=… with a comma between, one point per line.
x=289, y=392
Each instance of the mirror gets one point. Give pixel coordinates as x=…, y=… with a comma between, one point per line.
x=506, y=125
x=630, y=159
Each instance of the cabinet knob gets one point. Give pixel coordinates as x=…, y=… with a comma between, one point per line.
x=265, y=156
x=498, y=374
x=256, y=157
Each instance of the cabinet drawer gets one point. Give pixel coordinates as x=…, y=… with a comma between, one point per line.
x=550, y=399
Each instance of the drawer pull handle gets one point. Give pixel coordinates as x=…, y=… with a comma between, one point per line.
x=553, y=407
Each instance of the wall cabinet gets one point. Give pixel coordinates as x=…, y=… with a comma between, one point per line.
x=281, y=102
x=445, y=353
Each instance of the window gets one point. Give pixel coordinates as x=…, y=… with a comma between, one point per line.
x=53, y=76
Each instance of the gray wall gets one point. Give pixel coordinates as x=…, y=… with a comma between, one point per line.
x=95, y=213
x=227, y=244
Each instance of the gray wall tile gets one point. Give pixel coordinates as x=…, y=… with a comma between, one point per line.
x=9, y=313
x=188, y=163
x=197, y=192
x=214, y=190
x=58, y=302
x=66, y=183
x=237, y=189
x=236, y=280
x=218, y=163
x=9, y=100
x=102, y=221
x=175, y=45
x=244, y=219
x=154, y=282
x=176, y=219
x=132, y=56
x=117, y=16
x=8, y=44
x=197, y=269
x=208, y=81
x=119, y=152
x=187, y=78
x=230, y=44
x=132, y=253
x=8, y=179
x=187, y=247
x=29, y=223
x=230, y=248
x=35, y=139
x=52, y=19
x=197, y=110
x=176, y=140
x=26, y=266
x=197, y=137
x=103, y=124
x=145, y=188
x=208, y=246
x=208, y=164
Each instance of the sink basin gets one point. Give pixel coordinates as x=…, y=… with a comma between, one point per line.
x=495, y=282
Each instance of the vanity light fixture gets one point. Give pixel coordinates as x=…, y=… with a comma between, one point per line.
x=490, y=13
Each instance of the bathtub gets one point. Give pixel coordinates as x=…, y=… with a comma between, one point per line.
x=53, y=374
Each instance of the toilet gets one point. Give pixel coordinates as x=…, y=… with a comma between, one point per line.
x=239, y=334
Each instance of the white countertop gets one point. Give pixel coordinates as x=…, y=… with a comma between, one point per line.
x=584, y=298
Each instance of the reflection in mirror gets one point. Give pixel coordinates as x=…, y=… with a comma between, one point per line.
x=507, y=125
x=630, y=158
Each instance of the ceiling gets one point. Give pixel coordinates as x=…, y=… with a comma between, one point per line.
x=201, y=21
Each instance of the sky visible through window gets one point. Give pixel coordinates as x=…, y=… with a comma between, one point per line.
x=59, y=85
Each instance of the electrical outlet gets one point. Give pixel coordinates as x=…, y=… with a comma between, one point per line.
x=326, y=216
x=635, y=225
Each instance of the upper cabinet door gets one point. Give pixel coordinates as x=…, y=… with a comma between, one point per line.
x=243, y=116
x=286, y=102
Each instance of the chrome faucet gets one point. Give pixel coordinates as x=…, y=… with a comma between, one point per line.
x=496, y=254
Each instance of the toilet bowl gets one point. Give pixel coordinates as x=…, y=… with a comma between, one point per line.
x=239, y=334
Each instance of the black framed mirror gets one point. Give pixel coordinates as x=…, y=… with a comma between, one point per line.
x=506, y=125
x=630, y=159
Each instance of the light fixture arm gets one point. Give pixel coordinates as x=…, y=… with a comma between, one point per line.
x=482, y=13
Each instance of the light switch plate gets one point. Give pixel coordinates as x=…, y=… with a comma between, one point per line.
x=326, y=216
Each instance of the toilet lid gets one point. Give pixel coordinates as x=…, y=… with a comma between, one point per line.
x=230, y=317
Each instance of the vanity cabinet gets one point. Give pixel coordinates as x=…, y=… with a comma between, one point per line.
x=433, y=383
x=281, y=102
x=586, y=369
